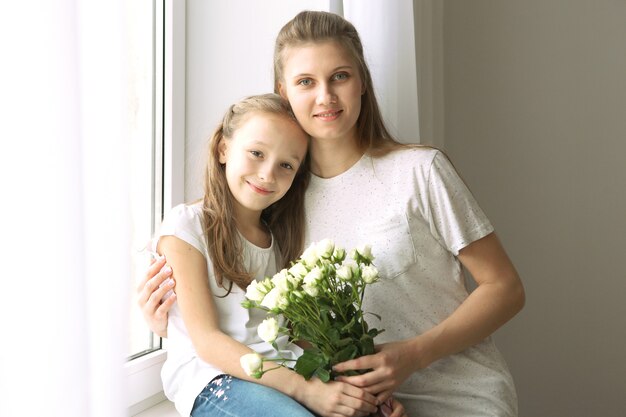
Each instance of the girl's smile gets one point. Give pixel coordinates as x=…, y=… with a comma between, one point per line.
x=258, y=189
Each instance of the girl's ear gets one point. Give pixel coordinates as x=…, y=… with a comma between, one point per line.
x=221, y=148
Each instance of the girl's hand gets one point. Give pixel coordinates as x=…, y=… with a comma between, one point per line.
x=150, y=293
x=392, y=364
x=336, y=399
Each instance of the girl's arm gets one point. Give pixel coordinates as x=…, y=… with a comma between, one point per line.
x=219, y=349
x=497, y=298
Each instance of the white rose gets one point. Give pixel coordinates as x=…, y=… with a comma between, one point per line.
x=268, y=330
x=294, y=281
x=309, y=256
x=366, y=252
x=280, y=280
x=271, y=299
x=344, y=272
x=339, y=254
x=298, y=270
x=313, y=277
x=252, y=364
x=325, y=248
x=255, y=291
x=369, y=274
x=312, y=290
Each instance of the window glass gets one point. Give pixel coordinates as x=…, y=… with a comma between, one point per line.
x=145, y=92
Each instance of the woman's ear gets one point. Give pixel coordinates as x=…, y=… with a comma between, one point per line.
x=221, y=149
x=281, y=90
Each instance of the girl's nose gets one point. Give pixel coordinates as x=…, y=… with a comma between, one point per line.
x=266, y=173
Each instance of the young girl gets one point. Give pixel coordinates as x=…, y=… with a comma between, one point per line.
x=436, y=354
x=248, y=225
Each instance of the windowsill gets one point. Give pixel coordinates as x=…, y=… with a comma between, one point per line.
x=162, y=409
x=144, y=382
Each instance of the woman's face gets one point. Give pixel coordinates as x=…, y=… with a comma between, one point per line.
x=324, y=88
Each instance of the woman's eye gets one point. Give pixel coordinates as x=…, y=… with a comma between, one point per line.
x=286, y=165
x=305, y=82
x=340, y=76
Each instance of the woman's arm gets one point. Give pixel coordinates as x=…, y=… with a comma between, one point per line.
x=498, y=297
x=150, y=293
x=219, y=349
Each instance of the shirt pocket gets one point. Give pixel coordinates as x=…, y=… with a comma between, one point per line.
x=392, y=244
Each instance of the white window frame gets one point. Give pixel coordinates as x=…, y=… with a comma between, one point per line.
x=144, y=373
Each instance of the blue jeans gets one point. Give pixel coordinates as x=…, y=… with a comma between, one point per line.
x=227, y=396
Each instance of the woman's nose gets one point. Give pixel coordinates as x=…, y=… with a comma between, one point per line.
x=325, y=95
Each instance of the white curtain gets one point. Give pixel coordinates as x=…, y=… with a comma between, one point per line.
x=64, y=217
x=387, y=30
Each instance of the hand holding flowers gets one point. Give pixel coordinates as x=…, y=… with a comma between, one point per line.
x=320, y=297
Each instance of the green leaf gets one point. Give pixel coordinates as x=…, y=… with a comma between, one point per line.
x=374, y=314
x=367, y=344
x=308, y=363
x=323, y=374
x=347, y=353
x=375, y=332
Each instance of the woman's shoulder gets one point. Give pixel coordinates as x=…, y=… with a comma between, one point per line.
x=408, y=157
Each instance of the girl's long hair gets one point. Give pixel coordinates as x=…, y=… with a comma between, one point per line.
x=285, y=218
x=315, y=26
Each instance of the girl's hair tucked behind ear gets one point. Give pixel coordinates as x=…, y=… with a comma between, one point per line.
x=314, y=26
x=285, y=218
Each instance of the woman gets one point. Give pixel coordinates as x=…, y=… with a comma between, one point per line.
x=422, y=222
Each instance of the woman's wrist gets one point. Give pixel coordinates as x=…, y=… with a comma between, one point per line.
x=425, y=349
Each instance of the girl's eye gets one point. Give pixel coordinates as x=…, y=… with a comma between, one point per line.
x=256, y=154
x=340, y=76
x=305, y=82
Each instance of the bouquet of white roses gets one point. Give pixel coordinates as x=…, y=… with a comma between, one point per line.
x=320, y=297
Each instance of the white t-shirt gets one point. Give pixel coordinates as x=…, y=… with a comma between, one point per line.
x=184, y=374
x=416, y=212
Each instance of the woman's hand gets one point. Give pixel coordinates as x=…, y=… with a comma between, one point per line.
x=336, y=399
x=150, y=293
x=391, y=408
x=390, y=366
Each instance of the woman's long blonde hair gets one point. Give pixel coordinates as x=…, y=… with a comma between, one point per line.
x=285, y=218
x=314, y=26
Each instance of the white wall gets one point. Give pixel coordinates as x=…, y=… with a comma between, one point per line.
x=229, y=56
x=535, y=119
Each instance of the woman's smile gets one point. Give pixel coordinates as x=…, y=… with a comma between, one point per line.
x=328, y=116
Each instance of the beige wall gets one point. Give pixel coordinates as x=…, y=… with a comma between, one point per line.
x=534, y=117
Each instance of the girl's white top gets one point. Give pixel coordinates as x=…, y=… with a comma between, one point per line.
x=184, y=374
x=416, y=212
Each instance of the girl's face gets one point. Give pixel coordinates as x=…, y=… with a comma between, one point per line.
x=324, y=88
x=262, y=159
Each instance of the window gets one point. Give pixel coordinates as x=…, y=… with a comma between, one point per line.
x=158, y=62
x=146, y=88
